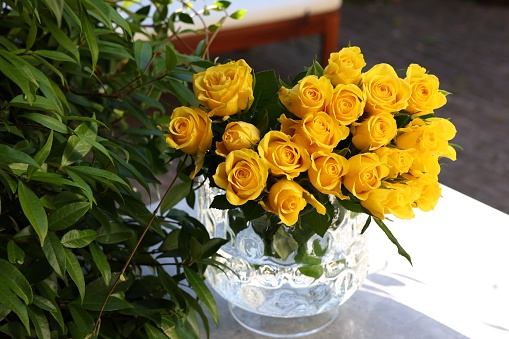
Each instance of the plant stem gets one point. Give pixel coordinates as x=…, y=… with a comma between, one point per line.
x=98, y=321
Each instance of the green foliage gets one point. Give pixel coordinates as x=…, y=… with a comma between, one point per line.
x=84, y=86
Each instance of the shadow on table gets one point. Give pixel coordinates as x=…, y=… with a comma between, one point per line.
x=370, y=313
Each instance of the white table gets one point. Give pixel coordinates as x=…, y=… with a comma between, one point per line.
x=458, y=286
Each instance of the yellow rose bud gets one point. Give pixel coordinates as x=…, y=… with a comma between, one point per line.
x=385, y=91
x=283, y=155
x=243, y=175
x=316, y=131
x=430, y=191
x=310, y=95
x=431, y=135
x=237, y=135
x=287, y=198
x=374, y=132
x=326, y=172
x=425, y=163
x=374, y=202
x=400, y=199
x=347, y=104
x=190, y=130
x=426, y=96
x=225, y=89
x=365, y=174
x=345, y=66
x=399, y=161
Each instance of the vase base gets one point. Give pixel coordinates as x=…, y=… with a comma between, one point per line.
x=283, y=327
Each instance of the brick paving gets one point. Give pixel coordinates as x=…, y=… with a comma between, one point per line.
x=464, y=43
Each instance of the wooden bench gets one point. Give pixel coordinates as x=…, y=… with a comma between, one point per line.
x=268, y=21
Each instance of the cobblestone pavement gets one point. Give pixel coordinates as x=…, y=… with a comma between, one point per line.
x=464, y=43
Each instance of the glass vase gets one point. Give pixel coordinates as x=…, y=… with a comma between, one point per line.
x=279, y=297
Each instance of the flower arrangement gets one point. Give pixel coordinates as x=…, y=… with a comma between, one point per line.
x=369, y=139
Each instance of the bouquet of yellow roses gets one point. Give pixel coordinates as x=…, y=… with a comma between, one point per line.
x=370, y=140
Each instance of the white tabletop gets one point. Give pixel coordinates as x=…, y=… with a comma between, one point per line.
x=457, y=287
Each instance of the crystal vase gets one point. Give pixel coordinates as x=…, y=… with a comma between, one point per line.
x=290, y=297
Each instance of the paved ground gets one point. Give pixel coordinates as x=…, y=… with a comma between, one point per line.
x=464, y=43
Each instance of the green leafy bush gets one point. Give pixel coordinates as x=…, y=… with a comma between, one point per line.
x=80, y=104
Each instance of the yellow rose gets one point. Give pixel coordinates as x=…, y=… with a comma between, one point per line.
x=426, y=96
x=365, y=174
x=345, y=66
x=431, y=135
x=326, y=172
x=396, y=199
x=311, y=94
x=425, y=163
x=385, y=91
x=243, y=175
x=346, y=104
x=400, y=200
x=399, y=161
x=430, y=191
x=374, y=132
x=190, y=130
x=287, y=198
x=283, y=155
x=316, y=131
x=237, y=135
x=374, y=202
x=225, y=89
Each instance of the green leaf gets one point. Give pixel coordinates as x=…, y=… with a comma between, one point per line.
x=49, y=306
x=82, y=184
x=13, y=184
x=33, y=210
x=15, y=254
x=393, y=239
x=142, y=54
x=19, y=78
x=67, y=215
x=117, y=233
x=314, y=271
x=221, y=203
x=203, y=293
x=97, y=172
x=57, y=8
x=366, y=225
x=75, y=271
x=176, y=194
x=193, y=303
x=101, y=262
x=315, y=69
x=10, y=155
x=171, y=58
x=40, y=103
x=54, y=55
x=154, y=333
x=90, y=37
x=46, y=121
x=40, y=322
x=172, y=288
x=211, y=246
x=94, y=303
x=9, y=300
x=78, y=238
x=54, y=252
x=16, y=281
x=182, y=92
x=42, y=155
x=63, y=40
x=75, y=149
x=238, y=14
x=32, y=34
x=318, y=222
x=83, y=320
x=283, y=243
x=102, y=9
